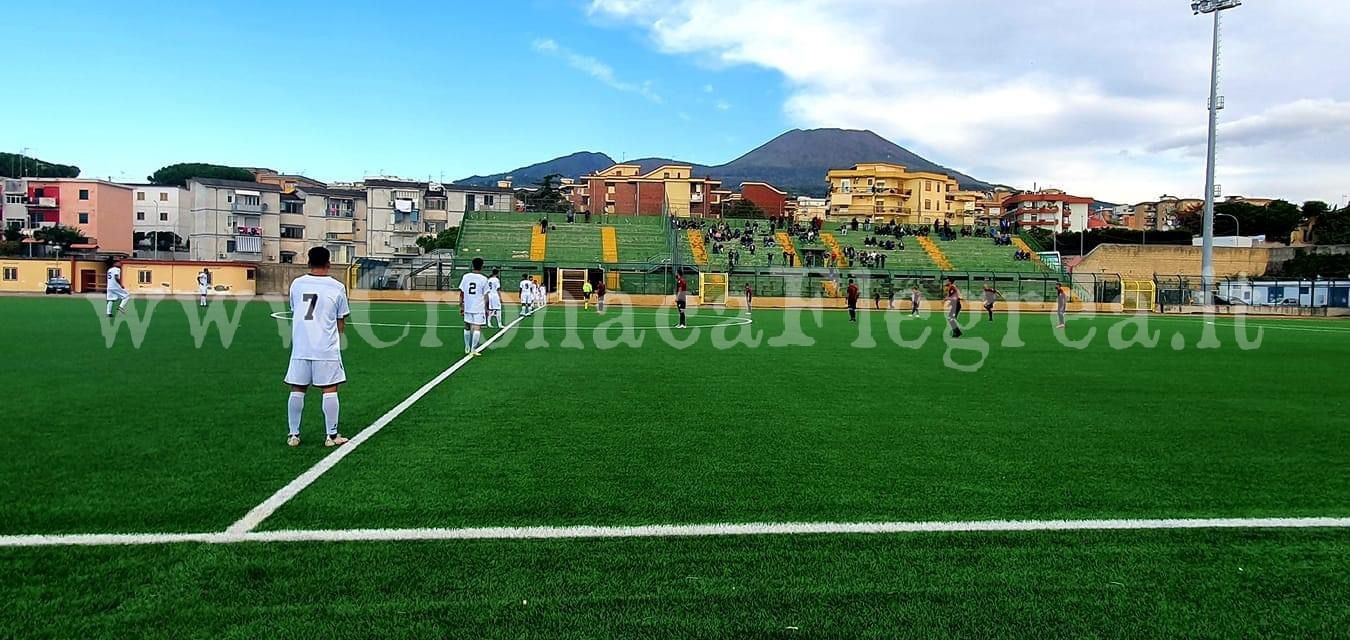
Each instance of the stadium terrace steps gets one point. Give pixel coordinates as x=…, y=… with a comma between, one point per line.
x=833, y=245
x=936, y=254
x=696, y=248
x=981, y=254
x=609, y=244
x=496, y=240
x=785, y=241
x=1022, y=244
x=538, y=244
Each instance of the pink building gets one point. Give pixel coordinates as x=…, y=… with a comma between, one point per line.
x=101, y=210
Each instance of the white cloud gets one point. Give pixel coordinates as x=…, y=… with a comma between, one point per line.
x=722, y=105
x=1104, y=99
x=596, y=69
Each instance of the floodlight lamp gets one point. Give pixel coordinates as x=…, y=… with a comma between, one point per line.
x=1211, y=6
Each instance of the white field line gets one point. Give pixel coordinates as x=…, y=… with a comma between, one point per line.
x=269, y=506
x=670, y=531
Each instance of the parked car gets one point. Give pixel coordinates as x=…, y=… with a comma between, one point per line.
x=59, y=285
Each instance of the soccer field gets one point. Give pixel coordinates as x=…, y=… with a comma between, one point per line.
x=594, y=476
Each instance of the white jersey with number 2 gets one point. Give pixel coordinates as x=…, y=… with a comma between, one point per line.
x=316, y=304
x=473, y=288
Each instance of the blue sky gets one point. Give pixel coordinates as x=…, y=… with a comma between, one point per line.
x=339, y=90
x=1103, y=99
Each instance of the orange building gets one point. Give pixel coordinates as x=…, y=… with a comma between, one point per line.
x=624, y=189
x=101, y=210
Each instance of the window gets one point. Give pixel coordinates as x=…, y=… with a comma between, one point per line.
x=11, y=274
x=84, y=194
x=927, y=186
x=292, y=206
x=292, y=232
x=846, y=185
x=140, y=216
x=229, y=198
x=84, y=217
x=230, y=247
x=164, y=216
x=927, y=204
x=287, y=257
x=666, y=175
x=53, y=273
x=143, y=276
x=39, y=192
x=140, y=196
x=250, y=200
x=250, y=275
x=14, y=198
x=489, y=201
x=436, y=203
x=164, y=197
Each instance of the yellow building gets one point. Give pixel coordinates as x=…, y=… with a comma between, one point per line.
x=892, y=192
x=21, y=275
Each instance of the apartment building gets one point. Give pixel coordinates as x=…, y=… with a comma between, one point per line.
x=159, y=221
x=892, y=192
x=99, y=209
x=1049, y=209
x=334, y=218
x=625, y=189
x=236, y=221
x=770, y=199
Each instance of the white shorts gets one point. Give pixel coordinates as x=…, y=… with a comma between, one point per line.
x=317, y=373
x=203, y=290
x=494, y=303
x=118, y=294
x=479, y=318
x=526, y=298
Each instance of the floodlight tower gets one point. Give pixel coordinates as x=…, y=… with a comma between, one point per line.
x=1216, y=7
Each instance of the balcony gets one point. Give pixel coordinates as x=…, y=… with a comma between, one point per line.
x=44, y=203
x=411, y=250
x=247, y=244
x=696, y=197
x=340, y=237
x=249, y=208
x=407, y=227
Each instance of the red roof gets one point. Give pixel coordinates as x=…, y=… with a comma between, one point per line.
x=1046, y=197
x=1095, y=222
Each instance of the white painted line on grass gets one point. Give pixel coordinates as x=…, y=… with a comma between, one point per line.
x=261, y=512
x=672, y=531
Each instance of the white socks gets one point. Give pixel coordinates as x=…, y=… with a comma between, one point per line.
x=110, y=307
x=330, y=413
x=295, y=406
x=468, y=340
x=477, y=339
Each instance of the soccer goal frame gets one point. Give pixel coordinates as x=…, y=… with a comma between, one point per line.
x=713, y=288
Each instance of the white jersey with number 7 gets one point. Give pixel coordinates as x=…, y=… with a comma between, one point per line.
x=316, y=304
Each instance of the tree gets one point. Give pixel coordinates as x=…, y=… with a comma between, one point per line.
x=12, y=234
x=448, y=238
x=10, y=247
x=166, y=240
x=60, y=235
x=742, y=209
x=1275, y=220
x=1313, y=265
x=177, y=175
x=17, y=165
x=1333, y=227
x=545, y=198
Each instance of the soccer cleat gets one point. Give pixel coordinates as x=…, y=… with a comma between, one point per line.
x=293, y=441
x=335, y=440
x=478, y=354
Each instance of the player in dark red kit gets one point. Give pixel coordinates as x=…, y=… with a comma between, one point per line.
x=852, y=301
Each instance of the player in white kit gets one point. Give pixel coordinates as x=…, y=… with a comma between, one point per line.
x=319, y=313
x=117, y=293
x=203, y=285
x=473, y=289
x=494, y=300
x=526, y=295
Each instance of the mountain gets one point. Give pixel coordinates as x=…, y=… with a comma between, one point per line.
x=795, y=161
x=570, y=166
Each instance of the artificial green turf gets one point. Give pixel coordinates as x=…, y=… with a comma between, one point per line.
x=559, y=435
x=167, y=436
x=1219, y=584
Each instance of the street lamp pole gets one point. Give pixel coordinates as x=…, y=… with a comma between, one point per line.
x=1237, y=224
x=1215, y=7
